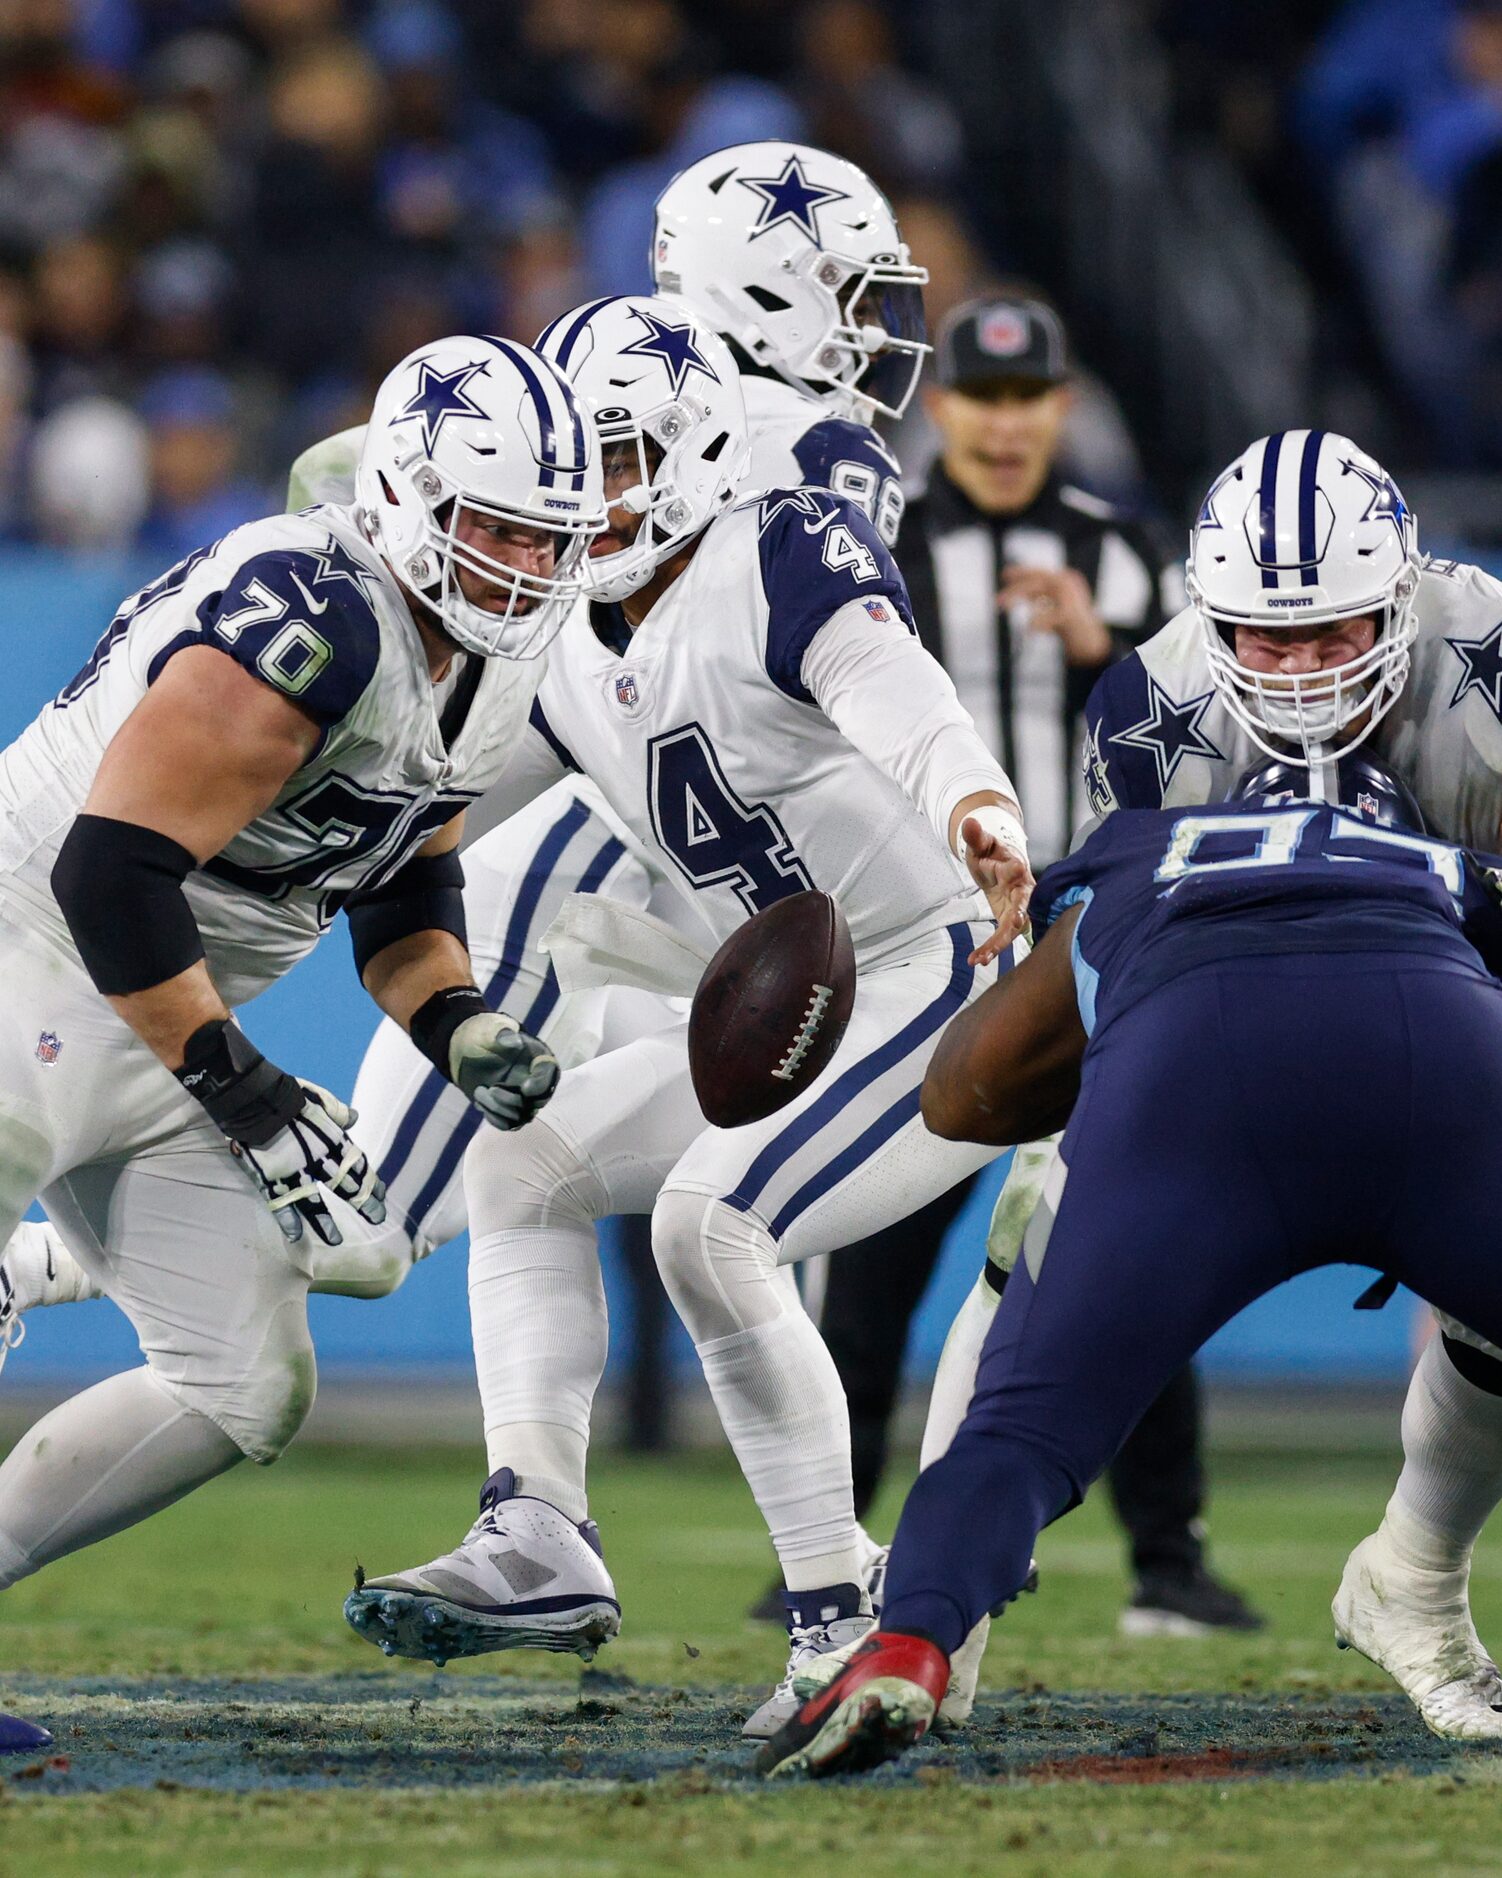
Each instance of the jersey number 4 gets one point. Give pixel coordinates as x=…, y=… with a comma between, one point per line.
x=716, y=839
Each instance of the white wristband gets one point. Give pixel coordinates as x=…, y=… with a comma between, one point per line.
x=1001, y=824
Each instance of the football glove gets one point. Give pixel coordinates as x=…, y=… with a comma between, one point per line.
x=507, y=1074
x=290, y=1135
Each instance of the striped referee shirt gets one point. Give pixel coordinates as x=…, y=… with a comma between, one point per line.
x=1027, y=701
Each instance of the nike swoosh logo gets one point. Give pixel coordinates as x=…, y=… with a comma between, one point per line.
x=314, y=606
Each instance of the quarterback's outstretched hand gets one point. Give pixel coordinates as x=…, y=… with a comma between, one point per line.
x=291, y=1135
x=507, y=1074
x=996, y=855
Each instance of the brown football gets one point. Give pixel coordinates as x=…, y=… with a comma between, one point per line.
x=771, y=1009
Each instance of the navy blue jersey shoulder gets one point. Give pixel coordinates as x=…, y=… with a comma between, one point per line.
x=824, y=446
x=818, y=552
x=1165, y=890
x=303, y=621
x=1137, y=734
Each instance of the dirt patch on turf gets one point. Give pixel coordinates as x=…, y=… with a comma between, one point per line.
x=392, y=1730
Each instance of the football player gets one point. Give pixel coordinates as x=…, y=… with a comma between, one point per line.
x=1315, y=626
x=748, y=694
x=291, y=720
x=1212, y=985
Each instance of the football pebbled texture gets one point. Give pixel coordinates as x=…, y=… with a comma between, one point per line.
x=771, y=1009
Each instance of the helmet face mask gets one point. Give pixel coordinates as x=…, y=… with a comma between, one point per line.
x=1305, y=531
x=664, y=392
x=795, y=255
x=468, y=431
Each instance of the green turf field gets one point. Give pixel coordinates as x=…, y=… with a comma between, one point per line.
x=214, y=1715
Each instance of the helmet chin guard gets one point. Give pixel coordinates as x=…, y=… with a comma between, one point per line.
x=486, y=430
x=659, y=384
x=795, y=255
x=1305, y=530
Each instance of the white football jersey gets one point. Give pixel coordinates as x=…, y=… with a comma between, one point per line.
x=705, y=738
x=1159, y=736
x=308, y=606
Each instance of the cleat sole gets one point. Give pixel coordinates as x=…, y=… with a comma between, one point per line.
x=432, y=1630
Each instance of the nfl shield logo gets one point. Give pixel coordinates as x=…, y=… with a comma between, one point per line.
x=1367, y=805
x=626, y=693
x=49, y=1045
x=876, y=610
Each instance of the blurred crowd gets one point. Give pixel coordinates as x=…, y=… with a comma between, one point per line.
x=221, y=221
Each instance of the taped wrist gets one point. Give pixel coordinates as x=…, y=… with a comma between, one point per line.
x=434, y=1023
x=247, y=1098
x=425, y=894
x=120, y=888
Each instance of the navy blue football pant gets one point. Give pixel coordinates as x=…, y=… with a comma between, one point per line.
x=1244, y=1123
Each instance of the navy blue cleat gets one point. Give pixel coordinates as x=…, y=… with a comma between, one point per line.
x=22, y=1737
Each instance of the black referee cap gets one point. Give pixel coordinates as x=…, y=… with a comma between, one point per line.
x=1001, y=336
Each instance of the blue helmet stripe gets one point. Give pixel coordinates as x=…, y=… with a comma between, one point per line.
x=1308, y=471
x=546, y=421
x=1269, y=509
x=564, y=350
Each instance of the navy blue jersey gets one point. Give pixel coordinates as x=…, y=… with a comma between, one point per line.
x=1165, y=890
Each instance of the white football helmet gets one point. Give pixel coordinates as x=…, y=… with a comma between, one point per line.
x=1304, y=528
x=488, y=426
x=660, y=382
x=796, y=256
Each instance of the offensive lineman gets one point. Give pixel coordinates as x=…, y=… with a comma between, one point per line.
x=1314, y=625
x=748, y=693
x=292, y=719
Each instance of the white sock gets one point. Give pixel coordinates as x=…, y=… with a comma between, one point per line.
x=954, y=1380
x=43, y=1270
x=541, y=1334
x=1452, y=1459
x=98, y=1463
x=783, y=1409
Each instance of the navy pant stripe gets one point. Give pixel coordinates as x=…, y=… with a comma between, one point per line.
x=782, y=1147
x=543, y=1006
x=539, y=872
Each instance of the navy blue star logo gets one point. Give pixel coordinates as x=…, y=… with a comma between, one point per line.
x=790, y=197
x=1482, y=659
x=440, y=395
x=673, y=346
x=336, y=563
x=1387, y=504
x=1171, y=732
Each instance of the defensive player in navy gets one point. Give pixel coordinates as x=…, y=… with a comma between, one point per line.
x=1212, y=986
x=1315, y=626
x=290, y=721
x=748, y=694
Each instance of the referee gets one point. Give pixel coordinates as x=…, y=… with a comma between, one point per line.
x=1025, y=589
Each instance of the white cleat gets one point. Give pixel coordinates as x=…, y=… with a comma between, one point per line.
x=1415, y=1623
x=821, y=1624
x=525, y=1577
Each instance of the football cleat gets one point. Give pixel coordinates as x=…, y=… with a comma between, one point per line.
x=1192, y=1603
x=1415, y=1623
x=818, y=1622
x=883, y=1700
x=524, y=1577
x=12, y=1327
x=22, y=1737
x=964, y=1666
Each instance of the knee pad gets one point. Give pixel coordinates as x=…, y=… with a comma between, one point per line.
x=719, y=1265
x=530, y=1178
x=261, y=1406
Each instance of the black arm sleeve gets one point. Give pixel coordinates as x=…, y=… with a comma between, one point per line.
x=120, y=887
x=425, y=894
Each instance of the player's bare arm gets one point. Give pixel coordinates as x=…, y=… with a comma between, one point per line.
x=986, y=828
x=1007, y=1068
x=205, y=752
